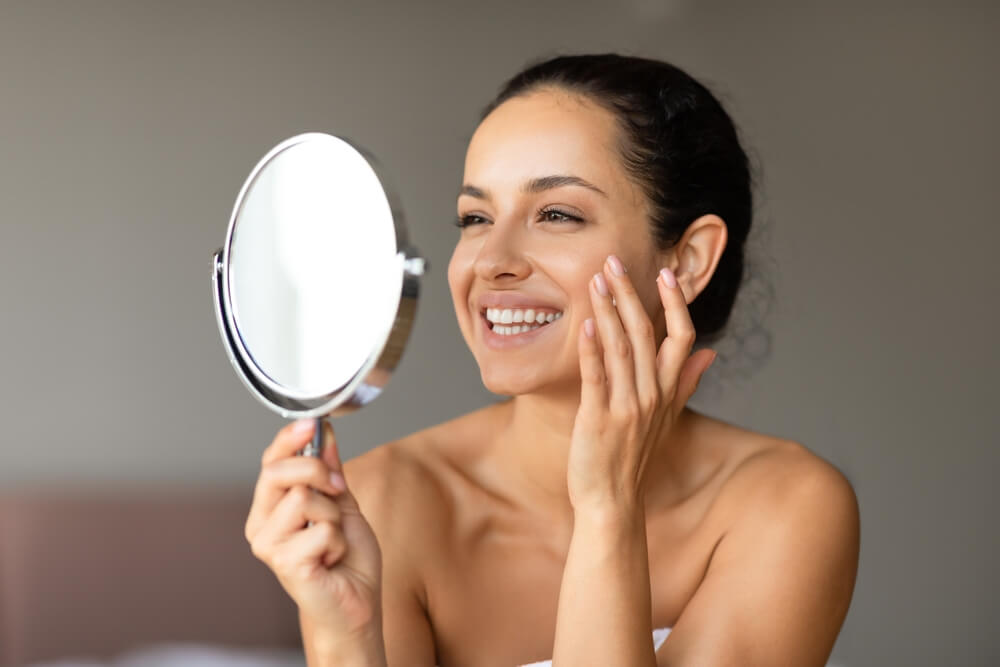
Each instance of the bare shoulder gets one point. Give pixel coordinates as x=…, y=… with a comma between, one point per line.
x=782, y=480
x=781, y=574
x=786, y=508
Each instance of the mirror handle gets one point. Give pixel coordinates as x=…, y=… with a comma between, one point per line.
x=315, y=448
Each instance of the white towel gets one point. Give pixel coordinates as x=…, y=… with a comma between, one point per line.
x=659, y=636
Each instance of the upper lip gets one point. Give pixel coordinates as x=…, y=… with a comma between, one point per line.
x=511, y=300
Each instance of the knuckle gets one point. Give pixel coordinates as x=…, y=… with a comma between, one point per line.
x=626, y=409
x=622, y=348
x=644, y=330
x=686, y=336
x=258, y=550
x=266, y=475
x=592, y=376
x=325, y=531
x=298, y=495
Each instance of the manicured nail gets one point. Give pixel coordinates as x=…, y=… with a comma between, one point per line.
x=303, y=425
x=588, y=327
x=616, y=265
x=600, y=285
x=337, y=481
x=668, y=277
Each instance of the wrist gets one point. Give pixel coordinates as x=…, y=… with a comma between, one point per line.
x=363, y=648
x=610, y=514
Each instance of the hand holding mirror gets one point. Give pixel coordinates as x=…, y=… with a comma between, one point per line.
x=316, y=286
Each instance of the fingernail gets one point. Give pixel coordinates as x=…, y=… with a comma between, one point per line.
x=337, y=481
x=602, y=287
x=588, y=327
x=714, y=355
x=668, y=277
x=616, y=265
x=303, y=425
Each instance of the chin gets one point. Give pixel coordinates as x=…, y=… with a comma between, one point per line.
x=514, y=381
x=510, y=381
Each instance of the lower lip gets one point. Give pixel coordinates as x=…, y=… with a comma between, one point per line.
x=497, y=341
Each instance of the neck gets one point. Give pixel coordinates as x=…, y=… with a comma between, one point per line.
x=532, y=444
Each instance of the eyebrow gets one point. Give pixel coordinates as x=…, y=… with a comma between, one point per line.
x=535, y=185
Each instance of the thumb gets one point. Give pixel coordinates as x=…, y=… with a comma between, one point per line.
x=691, y=373
x=330, y=453
x=331, y=456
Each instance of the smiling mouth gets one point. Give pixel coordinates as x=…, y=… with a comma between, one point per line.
x=509, y=322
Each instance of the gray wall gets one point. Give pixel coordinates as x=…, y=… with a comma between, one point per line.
x=126, y=130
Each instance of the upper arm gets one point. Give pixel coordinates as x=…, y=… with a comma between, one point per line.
x=780, y=581
x=385, y=493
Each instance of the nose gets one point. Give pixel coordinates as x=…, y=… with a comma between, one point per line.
x=501, y=257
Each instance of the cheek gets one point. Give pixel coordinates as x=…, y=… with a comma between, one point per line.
x=457, y=267
x=459, y=281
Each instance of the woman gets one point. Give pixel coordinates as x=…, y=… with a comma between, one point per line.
x=603, y=214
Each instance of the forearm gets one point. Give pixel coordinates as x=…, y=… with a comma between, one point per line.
x=366, y=650
x=604, y=615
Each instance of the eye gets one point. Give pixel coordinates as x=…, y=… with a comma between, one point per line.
x=555, y=215
x=466, y=220
x=546, y=214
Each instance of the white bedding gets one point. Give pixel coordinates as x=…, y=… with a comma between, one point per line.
x=184, y=654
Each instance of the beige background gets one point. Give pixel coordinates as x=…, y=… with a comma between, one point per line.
x=126, y=130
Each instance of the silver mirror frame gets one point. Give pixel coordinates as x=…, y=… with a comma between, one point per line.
x=369, y=381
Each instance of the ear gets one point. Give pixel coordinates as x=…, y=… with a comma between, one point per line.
x=694, y=257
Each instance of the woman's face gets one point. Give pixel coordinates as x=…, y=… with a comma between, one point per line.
x=547, y=200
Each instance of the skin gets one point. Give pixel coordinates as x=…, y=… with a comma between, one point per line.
x=591, y=506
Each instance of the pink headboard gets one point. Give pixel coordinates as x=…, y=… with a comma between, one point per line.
x=93, y=573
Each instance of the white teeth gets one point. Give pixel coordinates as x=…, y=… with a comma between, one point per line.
x=512, y=316
x=497, y=317
x=510, y=331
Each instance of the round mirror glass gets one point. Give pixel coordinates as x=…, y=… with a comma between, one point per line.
x=313, y=269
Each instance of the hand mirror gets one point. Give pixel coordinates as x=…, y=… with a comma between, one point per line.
x=316, y=286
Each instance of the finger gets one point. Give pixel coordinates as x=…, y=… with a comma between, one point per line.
x=331, y=456
x=637, y=327
x=294, y=511
x=289, y=440
x=331, y=451
x=680, y=338
x=593, y=381
x=690, y=377
x=618, y=364
x=322, y=540
x=277, y=477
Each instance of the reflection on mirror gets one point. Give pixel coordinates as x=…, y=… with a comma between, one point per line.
x=316, y=286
